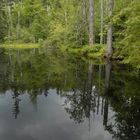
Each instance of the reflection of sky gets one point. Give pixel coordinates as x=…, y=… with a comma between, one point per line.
x=49, y=121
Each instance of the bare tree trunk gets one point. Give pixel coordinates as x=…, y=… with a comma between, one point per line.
x=66, y=19
x=66, y=14
x=18, y=26
x=91, y=22
x=102, y=21
x=84, y=20
x=10, y=21
x=109, y=33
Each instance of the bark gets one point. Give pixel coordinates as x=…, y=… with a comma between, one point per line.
x=10, y=21
x=102, y=21
x=65, y=14
x=109, y=33
x=91, y=22
x=18, y=26
x=84, y=15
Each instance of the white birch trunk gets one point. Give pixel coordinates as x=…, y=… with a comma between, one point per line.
x=102, y=21
x=18, y=26
x=109, y=33
x=91, y=23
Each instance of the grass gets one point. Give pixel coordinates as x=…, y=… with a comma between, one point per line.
x=20, y=46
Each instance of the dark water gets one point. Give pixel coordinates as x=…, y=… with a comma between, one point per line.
x=52, y=96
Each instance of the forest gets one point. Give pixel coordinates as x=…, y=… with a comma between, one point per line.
x=70, y=69
x=94, y=28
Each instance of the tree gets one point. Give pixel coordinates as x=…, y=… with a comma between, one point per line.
x=126, y=24
x=102, y=21
x=109, y=32
x=91, y=23
x=2, y=22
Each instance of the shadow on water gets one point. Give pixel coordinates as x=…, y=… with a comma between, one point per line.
x=88, y=90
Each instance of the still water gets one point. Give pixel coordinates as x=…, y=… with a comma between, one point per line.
x=55, y=96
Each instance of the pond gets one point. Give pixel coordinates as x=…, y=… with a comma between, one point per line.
x=56, y=96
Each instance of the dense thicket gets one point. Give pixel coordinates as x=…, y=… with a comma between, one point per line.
x=127, y=32
x=2, y=22
x=72, y=23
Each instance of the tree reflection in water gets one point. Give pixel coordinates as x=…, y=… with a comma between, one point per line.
x=87, y=87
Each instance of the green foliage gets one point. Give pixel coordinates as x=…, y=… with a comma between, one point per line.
x=2, y=23
x=96, y=52
x=127, y=33
x=26, y=21
x=20, y=46
x=62, y=23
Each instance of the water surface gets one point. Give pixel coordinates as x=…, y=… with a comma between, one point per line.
x=54, y=96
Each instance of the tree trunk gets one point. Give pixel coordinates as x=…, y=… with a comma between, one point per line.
x=10, y=21
x=91, y=23
x=18, y=26
x=109, y=33
x=102, y=21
